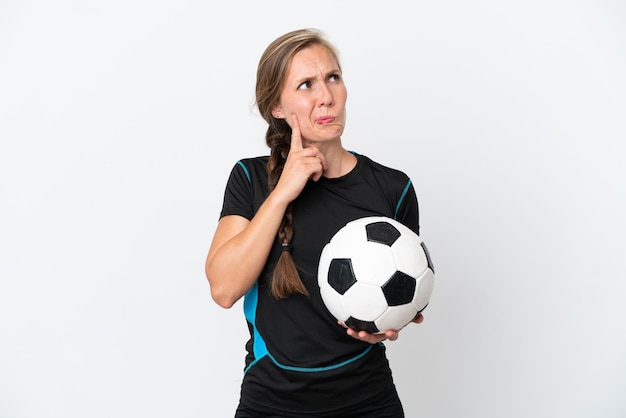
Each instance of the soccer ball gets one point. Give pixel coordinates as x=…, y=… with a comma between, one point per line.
x=375, y=274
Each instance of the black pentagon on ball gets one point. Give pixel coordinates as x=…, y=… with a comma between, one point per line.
x=341, y=275
x=359, y=325
x=399, y=289
x=382, y=232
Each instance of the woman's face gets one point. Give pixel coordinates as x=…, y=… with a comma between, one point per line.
x=313, y=90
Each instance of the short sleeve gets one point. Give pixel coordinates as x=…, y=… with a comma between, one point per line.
x=238, y=196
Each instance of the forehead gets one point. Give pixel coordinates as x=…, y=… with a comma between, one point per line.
x=311, y=60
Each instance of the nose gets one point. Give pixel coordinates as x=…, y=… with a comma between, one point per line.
x=326, y=97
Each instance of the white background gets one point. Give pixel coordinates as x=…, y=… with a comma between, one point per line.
x=120, y=121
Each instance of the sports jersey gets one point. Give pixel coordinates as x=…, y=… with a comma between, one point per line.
x=299, y=361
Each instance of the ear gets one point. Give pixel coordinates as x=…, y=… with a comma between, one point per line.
x=277, y=112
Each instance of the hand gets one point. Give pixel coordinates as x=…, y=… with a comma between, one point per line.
x=390, y=334
x=419, y=319
x=302, y=164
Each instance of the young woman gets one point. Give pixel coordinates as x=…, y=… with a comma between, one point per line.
x=278, y=213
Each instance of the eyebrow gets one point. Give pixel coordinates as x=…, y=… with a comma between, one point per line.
x=312, y=77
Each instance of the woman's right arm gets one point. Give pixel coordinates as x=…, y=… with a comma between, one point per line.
x=239, y=251
x=240, y=247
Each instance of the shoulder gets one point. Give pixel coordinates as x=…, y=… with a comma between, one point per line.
x=246, y=187
x=262, y=159
x=382, y=171
x=398, y=188
x=253, y=162
x=252, y=167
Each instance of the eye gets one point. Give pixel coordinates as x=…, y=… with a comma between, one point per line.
x=305, y=86
x=334, y=77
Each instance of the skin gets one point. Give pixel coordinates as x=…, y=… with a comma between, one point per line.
x=313, y=103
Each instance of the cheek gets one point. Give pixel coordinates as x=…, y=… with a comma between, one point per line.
x=298, y=107
x=342, y=98
x=303, y=110
x=304, y=106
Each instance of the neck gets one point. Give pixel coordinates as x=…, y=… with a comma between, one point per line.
x=339, y=162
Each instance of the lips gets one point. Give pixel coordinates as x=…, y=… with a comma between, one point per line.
x=323, y=120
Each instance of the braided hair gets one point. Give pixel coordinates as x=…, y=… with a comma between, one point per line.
x=271, y=73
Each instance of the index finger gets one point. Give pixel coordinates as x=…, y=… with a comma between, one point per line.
x=296, y=136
